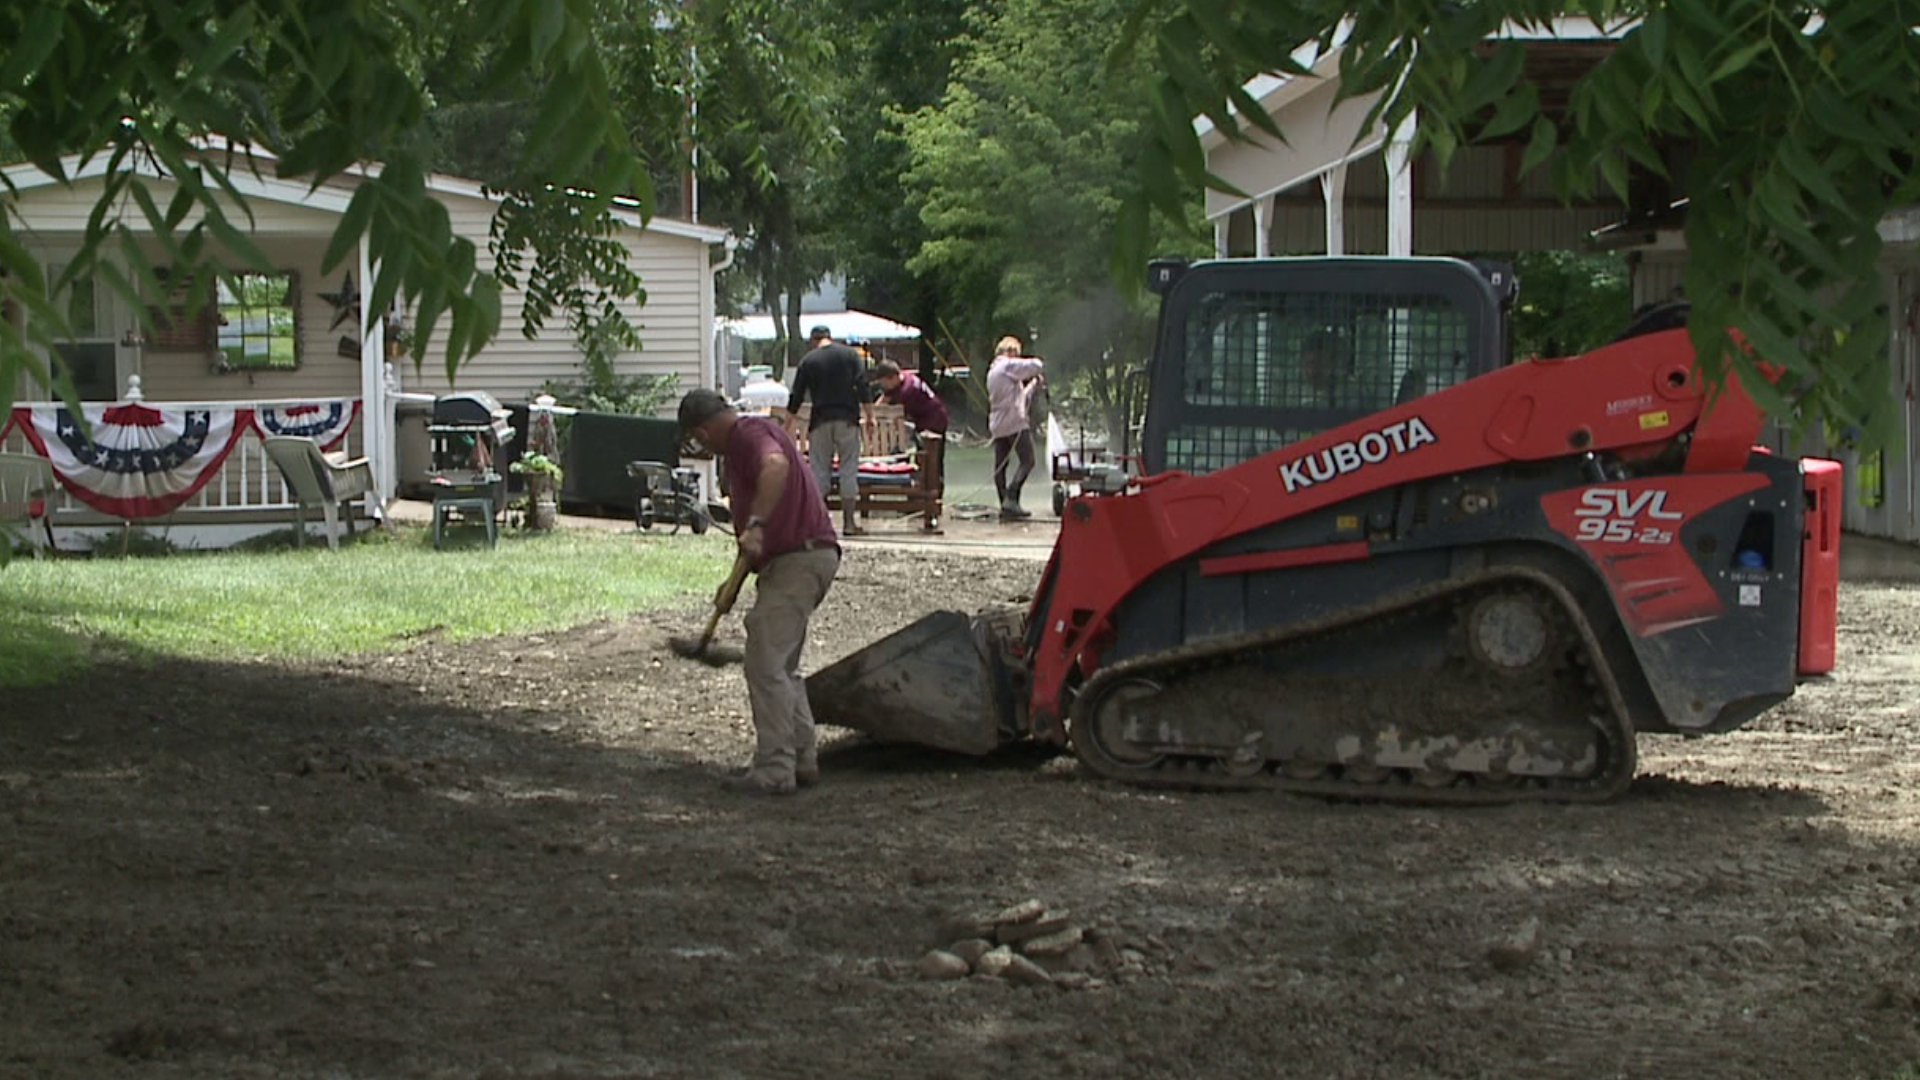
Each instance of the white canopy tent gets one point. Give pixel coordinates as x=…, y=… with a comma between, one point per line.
x=731, y=335
x=846, y=325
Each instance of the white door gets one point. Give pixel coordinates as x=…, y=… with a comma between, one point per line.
x=98, y=354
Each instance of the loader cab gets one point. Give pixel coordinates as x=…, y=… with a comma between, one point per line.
x=1254, y=354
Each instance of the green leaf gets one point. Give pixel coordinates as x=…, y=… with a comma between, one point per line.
x=1652, y=38
x=1613, y=170
x=240, y=243
x=1689, y=102
x=1186, y=152
x=1773, y=346
x=1839, y=116
x=1780, y=200
x=546, y=23
x=34, y=42
x=1541, y=145
x=229, y=34
x=1792, y=152
x=1492, y=78
x=22, y=268
x=1514, y=112
x=352, y=225
x=486, y=306
x=1738, y=61
x=1702, y=14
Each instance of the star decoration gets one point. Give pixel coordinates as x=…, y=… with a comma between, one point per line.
x=346, y=303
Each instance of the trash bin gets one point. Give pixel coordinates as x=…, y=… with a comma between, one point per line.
x=413, y=449
x=598, y=450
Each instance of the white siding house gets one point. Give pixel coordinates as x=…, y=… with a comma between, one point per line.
x=333, y=353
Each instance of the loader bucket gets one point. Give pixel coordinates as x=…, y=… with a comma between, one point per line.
x=934, y=683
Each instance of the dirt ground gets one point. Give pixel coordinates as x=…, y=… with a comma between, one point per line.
x=510, y=858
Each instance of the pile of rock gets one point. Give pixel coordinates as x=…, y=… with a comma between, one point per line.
x=1028, y=943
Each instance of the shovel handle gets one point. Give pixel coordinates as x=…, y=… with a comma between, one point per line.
x=723, y=600
x=729, y=590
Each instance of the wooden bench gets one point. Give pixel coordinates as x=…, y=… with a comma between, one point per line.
x=924, y=488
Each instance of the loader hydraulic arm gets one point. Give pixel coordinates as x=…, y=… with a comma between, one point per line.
x=1636, y=396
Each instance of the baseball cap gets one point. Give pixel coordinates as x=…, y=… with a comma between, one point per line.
x=819, y=331
x=699, y=406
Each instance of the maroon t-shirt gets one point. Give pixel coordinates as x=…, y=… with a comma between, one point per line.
x=801, y=514
x=920, y=403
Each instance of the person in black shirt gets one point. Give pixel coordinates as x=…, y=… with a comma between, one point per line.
x=834, y=376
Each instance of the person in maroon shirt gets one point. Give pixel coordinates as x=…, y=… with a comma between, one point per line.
x=783, y=531
x=923, y=408
x=915, y=398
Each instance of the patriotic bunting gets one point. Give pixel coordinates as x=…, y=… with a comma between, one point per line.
x=325, y=422
x=141, y=462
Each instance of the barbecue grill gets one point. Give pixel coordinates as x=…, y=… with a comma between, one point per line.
x=468, y=432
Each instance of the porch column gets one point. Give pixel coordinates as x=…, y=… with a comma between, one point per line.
x=1220, y=230
x=376, y=431
x=1333, y=192
x=1264, y=209
x=1400, y=186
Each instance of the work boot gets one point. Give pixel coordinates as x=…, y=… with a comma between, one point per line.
x=1011, y=511
x=753, y=782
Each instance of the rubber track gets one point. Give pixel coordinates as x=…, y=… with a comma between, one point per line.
x=1193, y=773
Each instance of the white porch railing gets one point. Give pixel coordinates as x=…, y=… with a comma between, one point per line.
x=248, y=481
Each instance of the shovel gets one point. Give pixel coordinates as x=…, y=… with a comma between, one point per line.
x=696, y=648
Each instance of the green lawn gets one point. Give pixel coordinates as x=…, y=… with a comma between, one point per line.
x=372, y=594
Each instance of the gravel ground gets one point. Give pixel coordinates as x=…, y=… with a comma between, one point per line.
x=509, y=858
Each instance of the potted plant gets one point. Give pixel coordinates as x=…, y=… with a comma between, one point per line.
x=399, y=337
x=543, y=488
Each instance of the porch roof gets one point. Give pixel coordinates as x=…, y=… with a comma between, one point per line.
x=331, y=195
x=1323, y=132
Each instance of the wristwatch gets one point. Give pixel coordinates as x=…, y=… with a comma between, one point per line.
x=754, y=521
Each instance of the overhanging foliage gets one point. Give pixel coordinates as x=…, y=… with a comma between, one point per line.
x=1800, y=121
x=320, y=86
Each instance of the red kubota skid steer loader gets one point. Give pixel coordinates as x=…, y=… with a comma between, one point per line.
x=1367, y=557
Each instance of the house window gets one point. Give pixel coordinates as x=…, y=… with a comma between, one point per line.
x=83, y=301
x=83, y=307
x=259, y=327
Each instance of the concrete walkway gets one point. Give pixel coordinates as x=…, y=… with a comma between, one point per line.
x=1862, y=558
x=958, y=536
x=1865, y=558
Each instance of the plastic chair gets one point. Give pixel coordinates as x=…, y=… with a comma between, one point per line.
x=317, y=479
x=26, y=486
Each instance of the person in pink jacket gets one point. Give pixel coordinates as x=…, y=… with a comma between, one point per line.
x=1011, y=382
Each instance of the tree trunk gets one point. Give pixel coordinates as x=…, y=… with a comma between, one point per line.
x=793, y=317
x=770, y=300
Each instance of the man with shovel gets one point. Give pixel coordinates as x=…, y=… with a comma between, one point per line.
x=785, y=536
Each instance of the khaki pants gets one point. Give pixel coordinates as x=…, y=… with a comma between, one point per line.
x=789, y=589
x=830, y=437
